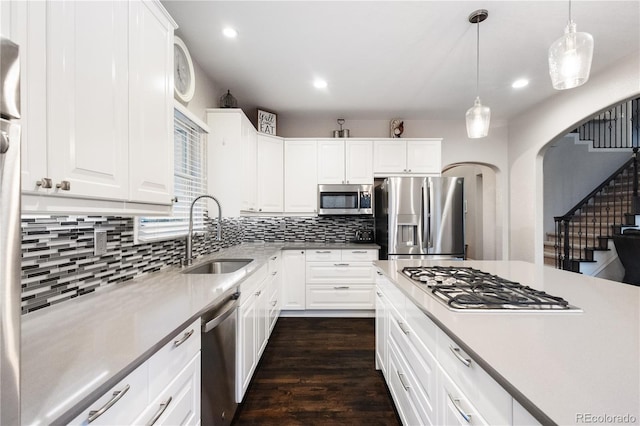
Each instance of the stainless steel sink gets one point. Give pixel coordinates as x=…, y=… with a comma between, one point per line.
x=219, y=266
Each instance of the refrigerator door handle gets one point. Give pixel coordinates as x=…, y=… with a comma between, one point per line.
x=358, y=199
x=426, y=215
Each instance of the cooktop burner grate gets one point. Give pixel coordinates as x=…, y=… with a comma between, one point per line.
x=468, y=288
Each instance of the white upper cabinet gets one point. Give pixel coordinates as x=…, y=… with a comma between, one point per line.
x=87, y=98
x=401, y=156
x=300, y=176
x=249, y=160
x=97, y=84
x=345, y=161
x=150, y=104
x=270, y=173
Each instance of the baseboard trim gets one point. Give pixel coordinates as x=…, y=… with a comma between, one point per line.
x=330, y=313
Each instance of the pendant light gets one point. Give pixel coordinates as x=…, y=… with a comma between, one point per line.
x=570, y=57
x=478, y=116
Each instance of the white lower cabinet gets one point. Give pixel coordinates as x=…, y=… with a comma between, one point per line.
x=340, y=279
x=165, y=388
x=257, y=314
x=432, y=379
x=293, y=292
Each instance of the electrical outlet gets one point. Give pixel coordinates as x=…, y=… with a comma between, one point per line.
x=283, y=225
x=99, y=242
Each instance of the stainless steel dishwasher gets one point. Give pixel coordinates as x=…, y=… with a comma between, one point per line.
x=219, y=362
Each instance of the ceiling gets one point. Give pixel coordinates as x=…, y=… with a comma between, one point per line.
x=386, y=59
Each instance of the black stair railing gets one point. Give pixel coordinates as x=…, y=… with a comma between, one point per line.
x=618, y=127
x=588, y=225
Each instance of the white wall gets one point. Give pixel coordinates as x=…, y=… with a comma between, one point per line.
x=571, y=171
x=457, y=149
x=534, y=129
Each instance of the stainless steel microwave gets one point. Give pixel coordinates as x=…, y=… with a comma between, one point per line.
x=345, y=199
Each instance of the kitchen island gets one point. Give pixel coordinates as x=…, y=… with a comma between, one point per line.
x=563, y=367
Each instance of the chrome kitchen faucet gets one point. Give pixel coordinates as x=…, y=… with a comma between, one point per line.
x=188, y=256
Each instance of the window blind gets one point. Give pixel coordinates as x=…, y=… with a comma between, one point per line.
x=190, y=181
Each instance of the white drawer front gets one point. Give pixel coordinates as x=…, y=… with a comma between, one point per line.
x=400, y=385
x=165, y=364
x=249, y=286
x=491, y=400
x=274, y=263
x=339, y=273
x=395, y=297
x=359, y=255
x=422, y=326
x=454, y=407
x=179, y=403
x=324, y=255
x=131, y=398
x=340, y=297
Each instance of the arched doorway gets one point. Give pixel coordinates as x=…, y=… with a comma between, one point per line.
x=483, y=229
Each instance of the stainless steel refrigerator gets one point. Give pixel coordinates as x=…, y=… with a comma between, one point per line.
x=420, y=217
x=9, y=233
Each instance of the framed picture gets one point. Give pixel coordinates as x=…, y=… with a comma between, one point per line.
x=267, y=122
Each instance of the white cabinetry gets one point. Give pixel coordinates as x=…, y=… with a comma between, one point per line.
x=258, y=311
x=382, y=327
x=431, y=378
x=270, y=181
x=399, y=157
x=105, y=131
x=345, y=161
x=340, y=279
x=300, y=176
x=293, y=280
x=232, y=161
x=166, y=388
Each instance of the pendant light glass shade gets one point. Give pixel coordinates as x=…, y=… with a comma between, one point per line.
x=478, y=118
x=570, y=58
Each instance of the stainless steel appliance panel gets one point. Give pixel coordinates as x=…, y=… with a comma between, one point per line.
x=445, y=216
x=9, y=235
x=420, y=217
x=219, y=363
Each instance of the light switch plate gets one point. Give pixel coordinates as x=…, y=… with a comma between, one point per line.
x=99, y=242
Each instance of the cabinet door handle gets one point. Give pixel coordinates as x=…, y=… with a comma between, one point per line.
x=456, y=352
x=401, y=377
x=274, y=257
x=174, y=200
x=340, y=264
x=160, y=411
x=341, y=287
x=456, y=403
x=117, y=395
x=258, y=293
x=274, y=303
x=378, y=272
x=323, y=251
x=183, y=339
x=379, y=294
x=359, y=251
x=45, y=183
x=275, y=272
x=403, y=328
x=64, y=185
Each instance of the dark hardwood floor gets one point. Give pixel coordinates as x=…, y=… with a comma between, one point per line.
x=318, y=371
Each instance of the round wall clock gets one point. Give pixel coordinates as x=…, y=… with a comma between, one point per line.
x=184, y=80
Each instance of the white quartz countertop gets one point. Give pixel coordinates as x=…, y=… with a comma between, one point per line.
x=559, y=365
x=74, y=351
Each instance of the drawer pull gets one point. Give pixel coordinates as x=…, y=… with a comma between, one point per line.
x=275, y=272
x=403, y=328
x=323, y=251
x=401, y=377
x=379, y=294
x=379, y=273
x=341, y=287
x=117, y=395
x=258, y=293
x=161, y=411
x=456, y=352
x=274, y=257
x=456, y=403
x=359, y=252
x=274, y=303
x=340, y=264
x=183, y=339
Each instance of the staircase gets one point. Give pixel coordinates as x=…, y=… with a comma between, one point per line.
x=584, y=233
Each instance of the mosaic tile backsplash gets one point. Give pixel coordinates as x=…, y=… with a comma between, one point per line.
x=58, y=261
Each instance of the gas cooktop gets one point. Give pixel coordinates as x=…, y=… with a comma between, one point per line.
x=465, y=289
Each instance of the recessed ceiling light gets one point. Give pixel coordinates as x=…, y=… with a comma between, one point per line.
x=319, y=84
x=230, y=32
x=520, y=83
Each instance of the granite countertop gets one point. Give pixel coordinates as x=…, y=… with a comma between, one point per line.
x=101, y=337
x=558, y=365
